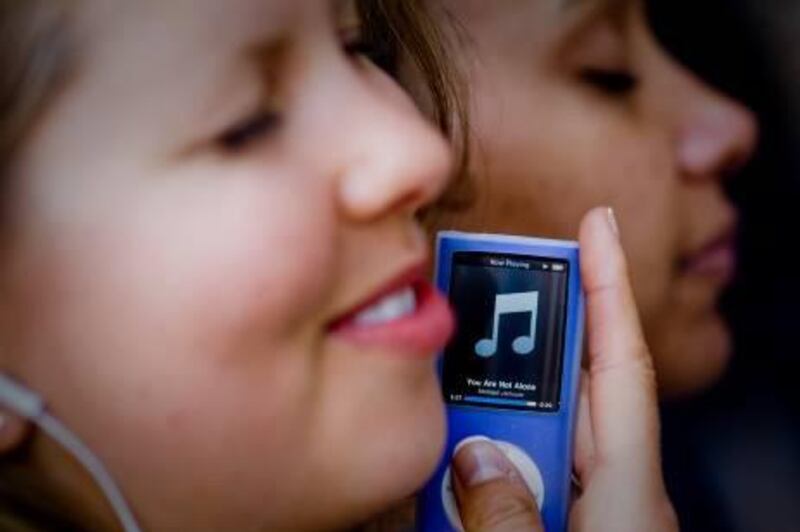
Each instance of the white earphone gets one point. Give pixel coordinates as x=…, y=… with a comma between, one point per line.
x=27, y=404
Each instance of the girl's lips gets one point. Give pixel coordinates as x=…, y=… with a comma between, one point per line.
x=715, y=261
x=421, y=332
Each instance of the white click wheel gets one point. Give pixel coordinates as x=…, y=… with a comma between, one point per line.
x=527, y=468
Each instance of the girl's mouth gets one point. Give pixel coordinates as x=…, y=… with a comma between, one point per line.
x=409, y=316
x=716, y=260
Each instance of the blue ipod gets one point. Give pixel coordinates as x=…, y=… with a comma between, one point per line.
x=511, y=371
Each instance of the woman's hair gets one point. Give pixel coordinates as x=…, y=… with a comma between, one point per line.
x=37, y=58
x=400, y=29
x=404, y=36
x=36, y=53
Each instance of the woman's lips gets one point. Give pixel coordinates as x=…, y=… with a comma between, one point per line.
x=412, y=318
x=715, y=261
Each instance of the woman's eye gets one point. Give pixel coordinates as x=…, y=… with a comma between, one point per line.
x=600, y=58
x=242, y=135
x=613, y=82
x=356, y=44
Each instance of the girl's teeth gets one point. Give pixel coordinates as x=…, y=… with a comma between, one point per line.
x=392, y=307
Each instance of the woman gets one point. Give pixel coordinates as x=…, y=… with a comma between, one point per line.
x=574, y=104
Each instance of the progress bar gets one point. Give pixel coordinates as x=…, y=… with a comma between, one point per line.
x=500, y=401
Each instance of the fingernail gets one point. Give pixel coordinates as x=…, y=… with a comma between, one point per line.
x=612, y=221
x=479, y=462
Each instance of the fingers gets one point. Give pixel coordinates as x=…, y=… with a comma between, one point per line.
x=584, y=439
x=491, y=494
x=624, y=416
x=617, y=447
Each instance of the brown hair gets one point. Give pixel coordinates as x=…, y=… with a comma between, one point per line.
x=403, y=30
x=35, y=52
x=35, y=57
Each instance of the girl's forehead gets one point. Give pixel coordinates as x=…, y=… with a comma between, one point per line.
x=210, y=23
x=164, y=38
x=158, y=67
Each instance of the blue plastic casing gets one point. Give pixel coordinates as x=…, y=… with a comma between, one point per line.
x=547, y=437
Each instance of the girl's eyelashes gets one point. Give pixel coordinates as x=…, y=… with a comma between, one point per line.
x=261, y=124
x=248, y=131
x=599, y=57
x=356, y=44
x=616, y=82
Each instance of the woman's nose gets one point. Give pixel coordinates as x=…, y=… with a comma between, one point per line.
x=399, y=161
x=716, y=135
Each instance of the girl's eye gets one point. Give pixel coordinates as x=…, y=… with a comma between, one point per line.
x=242, y=135
x=613, y=82
x=599, y=57
x=356, y=44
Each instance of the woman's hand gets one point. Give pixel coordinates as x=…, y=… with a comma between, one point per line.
x=617, y=455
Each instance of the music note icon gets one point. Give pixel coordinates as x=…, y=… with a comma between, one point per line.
x=511, y=304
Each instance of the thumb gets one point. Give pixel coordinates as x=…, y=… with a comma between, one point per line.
x=491, y=494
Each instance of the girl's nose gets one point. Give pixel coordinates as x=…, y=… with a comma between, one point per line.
x=399, y=161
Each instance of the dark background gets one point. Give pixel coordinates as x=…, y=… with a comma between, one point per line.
x=732, y=456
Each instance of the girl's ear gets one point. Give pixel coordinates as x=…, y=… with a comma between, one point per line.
x=13, y=431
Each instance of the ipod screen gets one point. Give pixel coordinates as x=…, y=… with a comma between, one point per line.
x=508, y=349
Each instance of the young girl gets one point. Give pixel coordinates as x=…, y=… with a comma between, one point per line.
x=212, y=274
x=574, y=104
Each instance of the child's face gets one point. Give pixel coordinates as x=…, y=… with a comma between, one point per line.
x=190, y=232
x=574, y=105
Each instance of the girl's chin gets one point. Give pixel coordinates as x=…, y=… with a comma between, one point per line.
x=400, y=475
x=693, y=361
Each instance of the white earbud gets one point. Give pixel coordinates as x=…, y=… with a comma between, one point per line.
x=27, y=404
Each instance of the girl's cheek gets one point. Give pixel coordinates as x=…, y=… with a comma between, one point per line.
x=217, y=267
